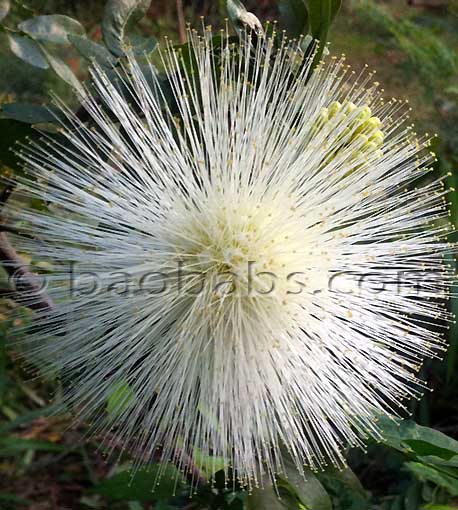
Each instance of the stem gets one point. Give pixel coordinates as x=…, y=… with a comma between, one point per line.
x=181, y=22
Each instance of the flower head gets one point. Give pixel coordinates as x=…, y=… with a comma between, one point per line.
x=253, y=264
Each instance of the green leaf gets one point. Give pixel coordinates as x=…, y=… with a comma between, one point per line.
x=207, y=463
x=425, y=448
x=92, y=51
x=335, y=8
x=12, y=498
x=4, y=8
x=431, y=474
x=63, y=71
x=308, y=490
x=294, y=491
x=53, y=28
x=119, y=16
x=438, y=507
x=412, y=496
x=27, y=50
x=320, y=12
x=344, y=487
x=321, y=15
x=10, y=445
x=187, y=58
x=444, y=467
x=28, y=113
x=264, y=499
x=120, y=398
x=143, y=485
x=294, y=17
x=408, y=437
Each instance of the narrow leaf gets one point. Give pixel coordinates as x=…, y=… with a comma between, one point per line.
x=92, y=51
x=320, y=12
x=321, y=15
x=335, y=8
x=27, y=50
x=119, y=16
x=53, y=28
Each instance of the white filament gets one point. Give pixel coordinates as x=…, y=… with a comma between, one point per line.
x=244, y=172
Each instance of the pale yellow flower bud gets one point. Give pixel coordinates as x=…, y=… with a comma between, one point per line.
x=377, y=138
x=364, y=114
x=334, y=108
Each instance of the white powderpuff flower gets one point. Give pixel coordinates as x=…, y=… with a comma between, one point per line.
x=252, y=271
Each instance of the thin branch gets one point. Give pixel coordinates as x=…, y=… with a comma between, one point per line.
x=181, y=22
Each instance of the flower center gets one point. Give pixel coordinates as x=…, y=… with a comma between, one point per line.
x=245, y=267
x=254, y=246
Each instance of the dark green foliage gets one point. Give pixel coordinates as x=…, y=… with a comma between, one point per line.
x=431, y=56
x=321, y=15
x=147, y=484
x=294, y=16
x=13, y=131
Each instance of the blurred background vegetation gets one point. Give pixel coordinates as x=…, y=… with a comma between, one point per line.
x=46, y=464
